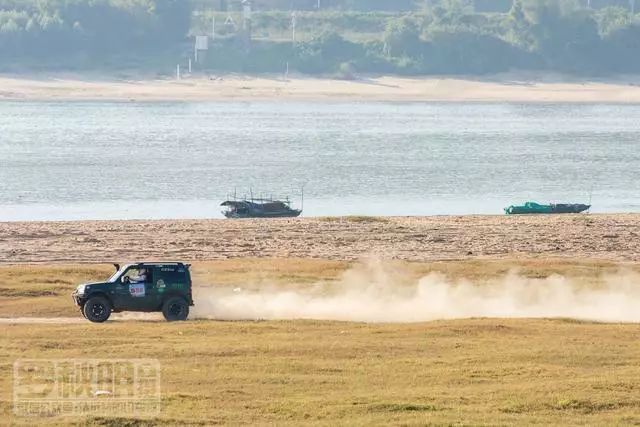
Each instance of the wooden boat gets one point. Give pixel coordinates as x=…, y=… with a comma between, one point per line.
x=531, y=208
x=260, y=208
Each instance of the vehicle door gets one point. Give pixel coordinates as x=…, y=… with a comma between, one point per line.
x=129, y=294
x=155, y=289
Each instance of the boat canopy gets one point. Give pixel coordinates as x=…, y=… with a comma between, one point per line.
x=230, y=203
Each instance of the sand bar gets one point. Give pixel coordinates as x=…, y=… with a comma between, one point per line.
x=604, y=237
x=510, y=87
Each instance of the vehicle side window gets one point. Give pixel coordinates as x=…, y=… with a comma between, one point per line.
x=135, y=274
x=129, y=274
x=174, y=277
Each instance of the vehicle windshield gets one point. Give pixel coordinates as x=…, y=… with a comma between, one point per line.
x=117, y=274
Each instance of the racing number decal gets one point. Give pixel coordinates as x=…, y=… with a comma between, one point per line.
x=137, y=290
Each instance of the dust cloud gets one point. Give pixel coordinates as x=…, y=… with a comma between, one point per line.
x=373, y=292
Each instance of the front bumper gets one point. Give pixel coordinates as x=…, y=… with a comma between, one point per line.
x=77, y=298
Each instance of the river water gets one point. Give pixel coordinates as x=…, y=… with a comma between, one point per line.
x=109, y=160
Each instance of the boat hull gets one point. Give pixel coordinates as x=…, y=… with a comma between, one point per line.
x=531, y=208
x=569, y=208
x=259, y=208
x=270, y=215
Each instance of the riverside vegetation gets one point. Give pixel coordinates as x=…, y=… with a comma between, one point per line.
x=436, y=37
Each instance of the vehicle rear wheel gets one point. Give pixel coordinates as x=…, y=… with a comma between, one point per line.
x=97, y=309
x=175, y=309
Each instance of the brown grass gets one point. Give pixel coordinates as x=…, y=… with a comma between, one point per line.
x=471, y=372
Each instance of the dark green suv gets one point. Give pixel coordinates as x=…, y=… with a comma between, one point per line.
x=143, y=287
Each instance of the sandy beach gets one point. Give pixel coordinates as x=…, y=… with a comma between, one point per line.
x=602, y=237
x=512, y=87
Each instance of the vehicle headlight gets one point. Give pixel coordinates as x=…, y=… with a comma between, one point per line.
x=80, y=289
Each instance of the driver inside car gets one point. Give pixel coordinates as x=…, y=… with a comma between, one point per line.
x=142, y=277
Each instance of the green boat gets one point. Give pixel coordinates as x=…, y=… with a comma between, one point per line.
x=531, y=208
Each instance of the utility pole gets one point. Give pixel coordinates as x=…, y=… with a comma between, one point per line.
x=246, y=14
x=293, y=26
x=213, y=27
x=632, y=5
x=246, y=23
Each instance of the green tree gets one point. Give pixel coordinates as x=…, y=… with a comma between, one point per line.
x=567, y=40
x=325, y=52
x=402, y=37
x=518, y=26
x=464, y=52
x=622, y=49
x=611, y=19
x=449, y=13
x=174, y=18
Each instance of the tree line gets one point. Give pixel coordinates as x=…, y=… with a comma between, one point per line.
x=448, y=37
x=45, y=29
x=442, y=36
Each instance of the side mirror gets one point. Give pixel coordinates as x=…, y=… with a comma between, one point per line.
x=126, y=280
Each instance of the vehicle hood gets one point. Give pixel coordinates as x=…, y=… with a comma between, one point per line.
x=93, y=283
x=82, y=288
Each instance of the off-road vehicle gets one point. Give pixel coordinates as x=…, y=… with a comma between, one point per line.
x=143, y=287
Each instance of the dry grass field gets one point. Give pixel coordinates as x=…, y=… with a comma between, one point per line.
x=289, y=372
x=467, y=372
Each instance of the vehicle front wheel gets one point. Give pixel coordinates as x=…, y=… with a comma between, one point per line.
x=175, y=309
x=97, y=309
